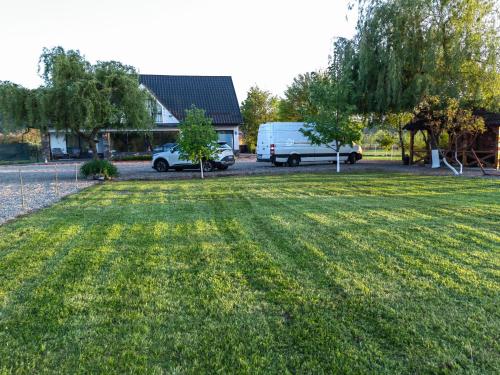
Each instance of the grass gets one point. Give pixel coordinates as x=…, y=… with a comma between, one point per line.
x=12, y=162
x=357, y=273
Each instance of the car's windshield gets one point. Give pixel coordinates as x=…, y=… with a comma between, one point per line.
x=224, y=146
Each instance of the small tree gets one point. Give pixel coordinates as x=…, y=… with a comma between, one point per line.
x=333, y=121
x=197, y=138
x=385, y=139
x=447, y=117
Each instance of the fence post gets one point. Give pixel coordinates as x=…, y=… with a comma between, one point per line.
x=23, y=200
x=76, y=174
x=57, y=181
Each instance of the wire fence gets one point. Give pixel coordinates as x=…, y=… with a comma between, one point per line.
x=375, y=151
x=30, y=187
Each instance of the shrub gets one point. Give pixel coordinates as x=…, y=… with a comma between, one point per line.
x=385, y=139
x=99, y=169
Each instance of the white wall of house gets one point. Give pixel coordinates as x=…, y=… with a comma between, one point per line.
x=166, y=116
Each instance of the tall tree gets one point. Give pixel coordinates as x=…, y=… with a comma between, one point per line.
x=21, y=109
x=409, y=50
x=85, y=98
x=198, y=138
x=333, y=123
x=297, y=99
x=259, y=107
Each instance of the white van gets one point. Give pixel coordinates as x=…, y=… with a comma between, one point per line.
x=283, y=143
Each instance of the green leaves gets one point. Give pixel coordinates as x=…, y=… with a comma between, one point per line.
x=259, y=107
x=411, y=49
x=297, y=100
x=78, y=97
x=330, y=94
x=197, y=139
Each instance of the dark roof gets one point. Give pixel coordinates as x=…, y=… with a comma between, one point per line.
x=214, y=94
x=491, y=119
x=415, y=124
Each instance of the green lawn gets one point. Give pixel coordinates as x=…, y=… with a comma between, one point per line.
x=357, y=273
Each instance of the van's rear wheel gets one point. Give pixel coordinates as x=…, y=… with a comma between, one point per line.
x=293, y=161
x=161, y=165
x=352, y=158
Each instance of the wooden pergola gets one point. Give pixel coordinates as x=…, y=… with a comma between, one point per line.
x=486, y=145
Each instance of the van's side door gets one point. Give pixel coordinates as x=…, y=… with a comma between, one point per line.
x=324, y=153
x=303, y=146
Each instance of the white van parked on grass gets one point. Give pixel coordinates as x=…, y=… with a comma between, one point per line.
x=283, y=143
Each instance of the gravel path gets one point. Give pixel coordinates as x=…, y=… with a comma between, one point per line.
x=39, y=185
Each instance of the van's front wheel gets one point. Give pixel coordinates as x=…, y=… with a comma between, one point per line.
x=293, y=161
x=352, y=158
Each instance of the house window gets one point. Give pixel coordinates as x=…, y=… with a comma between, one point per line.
x=155, y=110
x=158, y=116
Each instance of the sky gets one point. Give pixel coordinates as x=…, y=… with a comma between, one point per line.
x=258, y=42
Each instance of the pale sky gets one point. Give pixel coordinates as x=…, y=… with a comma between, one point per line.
x=256, y=42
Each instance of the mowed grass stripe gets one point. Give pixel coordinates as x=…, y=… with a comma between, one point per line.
x=302, y=273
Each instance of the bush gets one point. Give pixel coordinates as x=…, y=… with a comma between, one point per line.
x=385, y=139
x=99, y=169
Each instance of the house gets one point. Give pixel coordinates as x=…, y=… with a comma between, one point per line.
x=174, y=95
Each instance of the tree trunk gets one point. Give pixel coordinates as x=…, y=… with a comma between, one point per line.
x=93, y=147
x=91, y=140
x=338, y=155
x=45, y=145
x=401, y=141
x=412, y=146
x=435, y=161
x=201, y=169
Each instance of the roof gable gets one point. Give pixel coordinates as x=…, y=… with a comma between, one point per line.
x=214, y=94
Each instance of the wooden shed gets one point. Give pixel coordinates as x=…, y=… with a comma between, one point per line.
x=486, y=145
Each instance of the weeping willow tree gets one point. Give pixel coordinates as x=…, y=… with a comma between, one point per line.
x=21, y=109
x=77, y=97
x=412, y=49
x=85, y=99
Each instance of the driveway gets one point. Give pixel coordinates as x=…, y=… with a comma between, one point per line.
x=247, y=165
